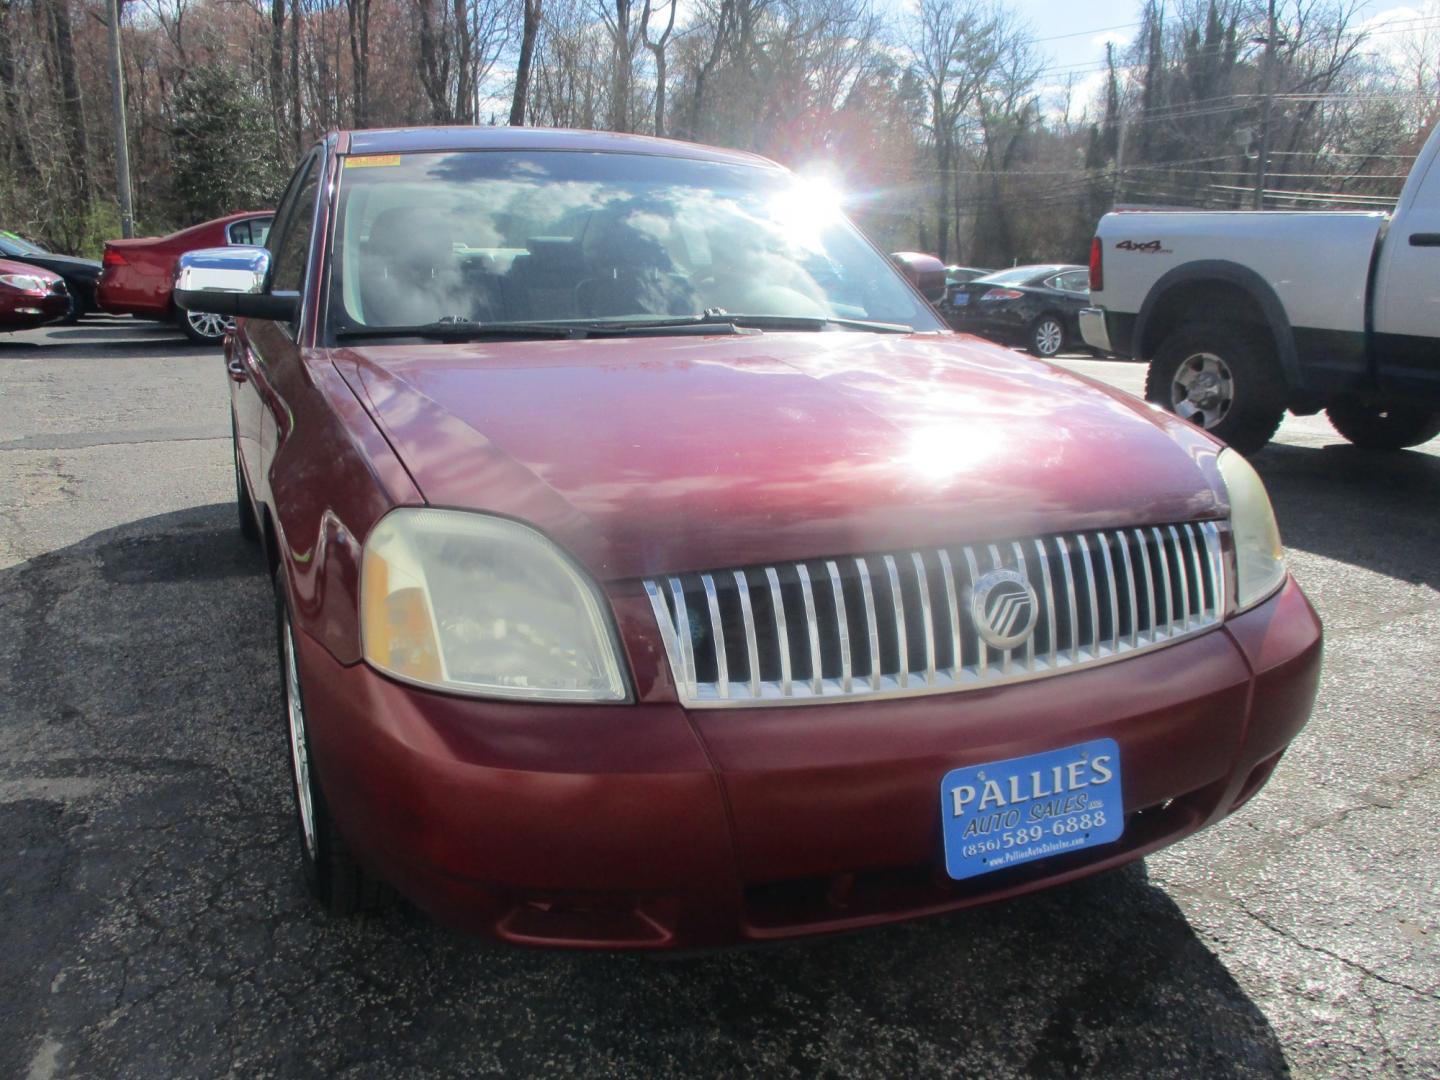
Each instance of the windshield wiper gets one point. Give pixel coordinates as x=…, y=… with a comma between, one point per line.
x=451, y=329
x=463, y=330
x=715, y=317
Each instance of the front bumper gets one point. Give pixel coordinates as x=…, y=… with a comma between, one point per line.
x=29, y=312
x=642, y=826
x=1093, y=329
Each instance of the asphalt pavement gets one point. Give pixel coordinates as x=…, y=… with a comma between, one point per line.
x=153, y=921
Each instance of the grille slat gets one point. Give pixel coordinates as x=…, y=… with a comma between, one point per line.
x=812, y=625
x=717, y=635
x=1164, y=559
x=842, y=627
x=952, y=605
x=982, y=651
x=872, y=629
x=927, y=619
x=1100, y=595
x=747, y=615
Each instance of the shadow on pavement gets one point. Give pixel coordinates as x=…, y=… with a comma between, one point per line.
x=155, y=923
x=1363, y=507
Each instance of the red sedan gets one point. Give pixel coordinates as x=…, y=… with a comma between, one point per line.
x=653, y=568
x=136, y=275
x=30, y=296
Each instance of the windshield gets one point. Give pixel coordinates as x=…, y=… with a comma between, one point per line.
x=486, y=236
x=11, y=244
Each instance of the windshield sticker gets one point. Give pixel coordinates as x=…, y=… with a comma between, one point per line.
x=373, y=161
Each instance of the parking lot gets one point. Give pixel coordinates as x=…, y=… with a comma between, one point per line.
x=153, y=921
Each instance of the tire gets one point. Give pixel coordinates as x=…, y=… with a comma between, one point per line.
x=202, y=327
x=76, y=312
x=1224, y=380
x=332, y=876
x=1046, y=337
x=244, y=504
x=1383, y=427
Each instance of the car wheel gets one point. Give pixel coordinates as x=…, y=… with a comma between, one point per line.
x=205, y=328
x=1047, y=337
x=1222, y=381
x=244, y=504
x=332, y=875
x=77, y=310
x=1383, y=427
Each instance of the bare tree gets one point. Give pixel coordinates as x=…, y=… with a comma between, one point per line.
x=657, y=46
x=358, y=12
x=956, y=46
x=529, y=28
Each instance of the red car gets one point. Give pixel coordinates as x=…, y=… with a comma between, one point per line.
x=653, y=568
x=30, y=296
x=136, y=275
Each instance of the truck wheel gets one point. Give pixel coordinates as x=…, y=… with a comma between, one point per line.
x=1383, y=427
x=332, y=875
x=1047, y=337
x=1224, y=381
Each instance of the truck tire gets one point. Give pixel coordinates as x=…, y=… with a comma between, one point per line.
x=1221, y=379
x=1383, y=427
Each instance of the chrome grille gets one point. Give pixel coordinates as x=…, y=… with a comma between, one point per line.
x=896, y=624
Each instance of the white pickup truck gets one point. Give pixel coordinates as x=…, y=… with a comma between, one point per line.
x=1245, y=314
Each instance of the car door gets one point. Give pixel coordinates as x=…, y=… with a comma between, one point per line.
x=1407, y=287
x=1071, y=293
x=263, y=349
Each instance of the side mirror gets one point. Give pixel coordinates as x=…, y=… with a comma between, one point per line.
x=230, y=281
x=925, y=272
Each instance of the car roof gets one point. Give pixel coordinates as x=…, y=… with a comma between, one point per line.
x=423, y=139
x=1039, y=270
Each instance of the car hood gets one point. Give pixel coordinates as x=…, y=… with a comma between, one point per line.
x=646, y=456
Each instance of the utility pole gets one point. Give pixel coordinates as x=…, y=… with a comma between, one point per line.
x=122, y=145
x=1119, y=163
x=1267, y=89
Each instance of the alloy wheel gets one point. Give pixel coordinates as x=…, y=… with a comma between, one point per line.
x=1049, y=337
x=209, y=325
x=1203, y=389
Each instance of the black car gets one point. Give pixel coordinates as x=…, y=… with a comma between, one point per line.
x=1034, y=306
x=80, y=274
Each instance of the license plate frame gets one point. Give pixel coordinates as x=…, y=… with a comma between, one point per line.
x=1006, y=813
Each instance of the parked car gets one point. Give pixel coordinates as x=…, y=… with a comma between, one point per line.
x=79, y=274
x=137, y=274
x=30, y=296
x=1242, y=315
x=1034, y=306
x=653, y=568
x=925, y=272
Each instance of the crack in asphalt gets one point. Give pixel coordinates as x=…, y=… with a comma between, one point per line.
x=1354, y=965
x=83, y=441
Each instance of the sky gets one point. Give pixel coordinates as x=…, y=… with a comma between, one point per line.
x=1073, y=34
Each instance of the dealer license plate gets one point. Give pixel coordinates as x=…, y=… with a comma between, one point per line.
x=960, y=299
x=1005, y=813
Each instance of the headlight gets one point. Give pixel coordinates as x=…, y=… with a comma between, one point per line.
x=1259, y=558
x=24, y=282
x=483, y=605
